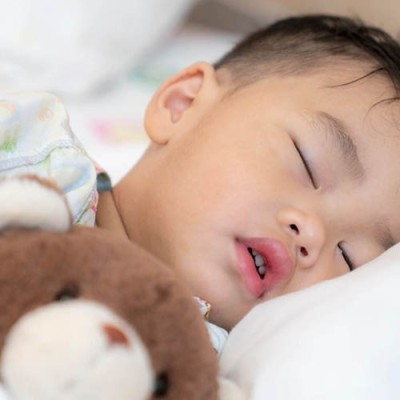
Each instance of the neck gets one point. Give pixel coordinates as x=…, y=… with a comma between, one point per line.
x=107, y=215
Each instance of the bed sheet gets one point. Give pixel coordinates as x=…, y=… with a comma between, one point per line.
x=110, y=124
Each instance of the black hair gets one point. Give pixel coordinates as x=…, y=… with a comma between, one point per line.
x=299, y=44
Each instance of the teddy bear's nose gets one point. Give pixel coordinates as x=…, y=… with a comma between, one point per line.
x=115, y=335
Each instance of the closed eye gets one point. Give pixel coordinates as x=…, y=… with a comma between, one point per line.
x=346, y=258
x=306, y=166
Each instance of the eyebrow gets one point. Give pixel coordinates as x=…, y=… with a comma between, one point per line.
x=341, y=137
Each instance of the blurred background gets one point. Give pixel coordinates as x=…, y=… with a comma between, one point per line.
x=106, y=58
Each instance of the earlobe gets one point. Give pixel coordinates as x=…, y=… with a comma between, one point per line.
x=180, y=102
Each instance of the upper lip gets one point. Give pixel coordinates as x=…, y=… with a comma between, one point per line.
x=277, y=257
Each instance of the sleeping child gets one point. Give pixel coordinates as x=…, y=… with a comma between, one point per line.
x=268, y=172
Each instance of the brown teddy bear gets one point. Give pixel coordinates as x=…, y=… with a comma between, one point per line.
x=86, y=315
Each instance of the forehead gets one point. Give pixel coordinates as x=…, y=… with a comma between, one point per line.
x=366, y=103
x=349, y=91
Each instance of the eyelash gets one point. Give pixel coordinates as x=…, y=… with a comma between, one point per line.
x=306, y=166
x=346, y=258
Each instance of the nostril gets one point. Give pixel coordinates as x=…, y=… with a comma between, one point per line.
x=115, y=335
x=303, y=251
x=294, y=228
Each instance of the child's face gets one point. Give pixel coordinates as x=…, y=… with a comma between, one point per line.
x=230, y=174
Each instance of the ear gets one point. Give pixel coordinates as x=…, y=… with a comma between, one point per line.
x=181, y=102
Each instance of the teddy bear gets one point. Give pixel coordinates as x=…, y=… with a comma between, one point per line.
x=88, y=315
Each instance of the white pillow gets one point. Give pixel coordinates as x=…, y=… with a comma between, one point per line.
x=339, y=339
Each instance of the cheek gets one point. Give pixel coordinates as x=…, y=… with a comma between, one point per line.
x=227, y=175
x=329, y=267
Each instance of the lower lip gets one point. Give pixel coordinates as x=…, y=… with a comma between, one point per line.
x=252, y=279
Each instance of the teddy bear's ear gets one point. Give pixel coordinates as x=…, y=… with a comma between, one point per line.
x=33, y=203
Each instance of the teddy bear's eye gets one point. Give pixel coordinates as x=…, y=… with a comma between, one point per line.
x=161, y=385
x=68, y=292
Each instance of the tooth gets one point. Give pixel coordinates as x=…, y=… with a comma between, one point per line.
x=259, y=260
x=261, y=270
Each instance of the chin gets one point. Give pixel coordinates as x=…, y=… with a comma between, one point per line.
x=224, y=320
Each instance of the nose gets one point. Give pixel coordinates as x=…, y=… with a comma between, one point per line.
x=307, y=232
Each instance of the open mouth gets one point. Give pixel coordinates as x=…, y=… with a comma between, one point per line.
x=259, y=262
x=264, y=264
